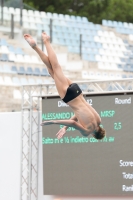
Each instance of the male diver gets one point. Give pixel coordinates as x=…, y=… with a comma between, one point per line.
x=85, y=118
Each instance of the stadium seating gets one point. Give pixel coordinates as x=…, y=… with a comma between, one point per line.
x=16, y=81
x=106, y=50
x=29, y=71
x=39, y=81
x=44, y=72
x=4, y=57
x=14, y=69
x=7, y=69
x=8, y=80
x=32, y=81
x=120, y=27
x=21, y=71
x=98, y=46
x=37, y=72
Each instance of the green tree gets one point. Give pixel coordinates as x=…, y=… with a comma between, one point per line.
x=120, y=10
x=94, y=10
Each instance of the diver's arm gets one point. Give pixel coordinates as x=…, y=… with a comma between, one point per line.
x=72, y=118
x=69, y=123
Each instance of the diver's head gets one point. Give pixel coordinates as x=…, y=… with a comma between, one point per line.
x=99, y=133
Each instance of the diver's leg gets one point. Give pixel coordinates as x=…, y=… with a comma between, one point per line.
x=43, y=57
x=61, y=81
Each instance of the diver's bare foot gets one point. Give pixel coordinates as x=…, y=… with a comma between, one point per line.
x=45, y=37
x=30, y=40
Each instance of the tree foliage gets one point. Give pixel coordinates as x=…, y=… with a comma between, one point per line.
x=94, y=10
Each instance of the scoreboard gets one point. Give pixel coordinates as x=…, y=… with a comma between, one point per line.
x=84, y=166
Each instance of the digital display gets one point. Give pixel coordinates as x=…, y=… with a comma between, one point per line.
x=84, y=166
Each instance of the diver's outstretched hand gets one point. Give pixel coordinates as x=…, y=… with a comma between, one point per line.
x=61, y=133
x=47, y=123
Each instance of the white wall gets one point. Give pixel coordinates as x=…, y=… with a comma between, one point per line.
x=10, y=132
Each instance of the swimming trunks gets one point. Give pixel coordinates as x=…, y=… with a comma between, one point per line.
x=72, y=92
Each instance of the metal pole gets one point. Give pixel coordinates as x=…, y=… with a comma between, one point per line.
x=22, y=121
x=2, y=14
x=39, y=121
x=42, y=42
x=21, y=12
x=12, y=26
x=80, y=46
x=30, y=151
x=51, y=22
x=38, y=138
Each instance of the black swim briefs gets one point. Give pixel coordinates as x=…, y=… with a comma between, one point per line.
x=72, y=92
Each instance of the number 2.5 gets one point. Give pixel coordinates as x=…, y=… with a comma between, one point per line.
x=117, y=126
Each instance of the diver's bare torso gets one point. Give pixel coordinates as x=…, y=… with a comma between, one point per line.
x=85, y=113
